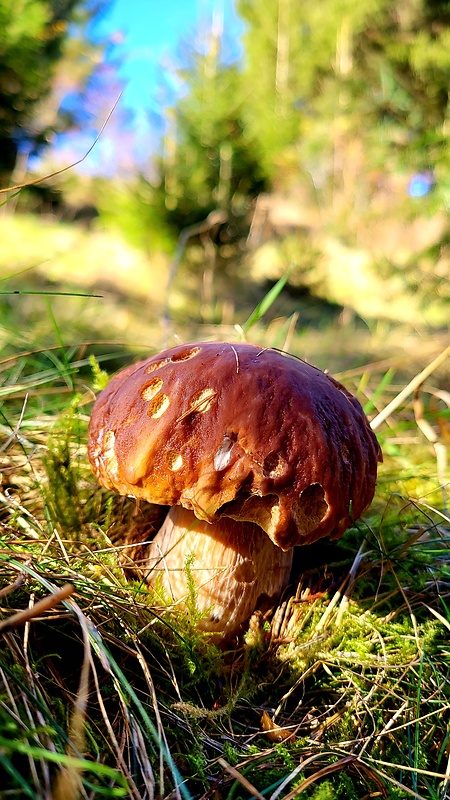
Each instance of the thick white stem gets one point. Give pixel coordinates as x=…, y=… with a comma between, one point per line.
x=235, y=567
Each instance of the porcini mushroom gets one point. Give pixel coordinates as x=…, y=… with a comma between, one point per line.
x=255, y=451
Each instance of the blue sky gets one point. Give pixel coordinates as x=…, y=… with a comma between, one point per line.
x=152, y=31
x=145, y=39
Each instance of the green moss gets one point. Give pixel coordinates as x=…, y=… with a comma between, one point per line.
x=369, y=674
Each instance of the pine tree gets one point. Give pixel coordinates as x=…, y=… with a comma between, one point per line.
x=209, y=159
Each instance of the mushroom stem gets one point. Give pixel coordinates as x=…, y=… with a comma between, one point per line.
x=235, y=566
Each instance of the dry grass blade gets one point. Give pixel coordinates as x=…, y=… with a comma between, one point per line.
x=337, y=766
x=69, y=166
x=37, y=608
x=354, y=659
x=440, y=447
x=404, y=789
x=12, y=587
x=409, y=389
x=15, y=433
x=342, y=596
x=300, y=768
x=240, y=778
x=118, y=749
x=441, y=775
x=68, y=783
x=438, y=616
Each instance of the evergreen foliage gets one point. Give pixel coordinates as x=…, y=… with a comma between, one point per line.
x=343, y=101
x=210, y=158
x=34, y=40
x=320, y=72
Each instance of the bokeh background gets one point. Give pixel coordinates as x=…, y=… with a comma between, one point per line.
x=242, y=140
x=173, y=170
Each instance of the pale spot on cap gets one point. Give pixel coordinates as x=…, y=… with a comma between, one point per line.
x=158, y=406
x=202, y=401
x=156, y=365
x=108, y=455
x=223, y=455
x=185, y=355
x=174, y=460
x=150, y=389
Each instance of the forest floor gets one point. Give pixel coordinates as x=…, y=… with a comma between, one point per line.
x=342, y=690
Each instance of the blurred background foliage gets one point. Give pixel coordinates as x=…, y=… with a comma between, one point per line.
x=46, y=55
x=294, y=190
x=323, y=148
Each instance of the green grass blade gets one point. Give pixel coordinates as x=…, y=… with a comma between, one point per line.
x=385, y=381
x=123, y=684
x=120, y=681
x=266, y=302
x=81, y=764
x=66, y=371
x=15, y=774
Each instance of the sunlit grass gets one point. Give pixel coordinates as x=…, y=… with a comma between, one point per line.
x=39, y=254
x=206, y=300
x=104, y=694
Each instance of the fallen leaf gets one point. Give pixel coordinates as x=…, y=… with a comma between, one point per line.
x=275, y=732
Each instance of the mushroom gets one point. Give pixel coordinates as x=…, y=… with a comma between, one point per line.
x=256, y=451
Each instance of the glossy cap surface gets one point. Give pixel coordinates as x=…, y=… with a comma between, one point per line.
x=239, y=431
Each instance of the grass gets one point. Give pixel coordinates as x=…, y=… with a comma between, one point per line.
x=342, y=691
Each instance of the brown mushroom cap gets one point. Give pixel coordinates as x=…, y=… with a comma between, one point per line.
x=238, y=431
